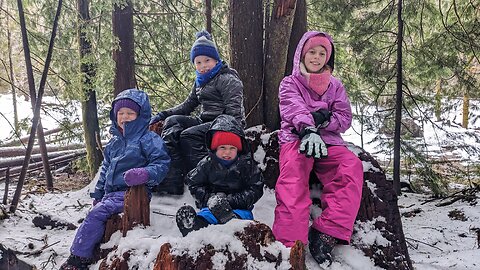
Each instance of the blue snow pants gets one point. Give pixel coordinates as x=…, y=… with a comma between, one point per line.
x=90, y=233
x=210, y=218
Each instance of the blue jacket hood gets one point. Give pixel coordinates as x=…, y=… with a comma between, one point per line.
x=138, y=126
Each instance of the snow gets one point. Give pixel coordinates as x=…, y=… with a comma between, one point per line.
x=435, y=240
x=24, y=109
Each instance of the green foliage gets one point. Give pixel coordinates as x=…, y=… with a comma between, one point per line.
x=441, y=41
x=429, y=177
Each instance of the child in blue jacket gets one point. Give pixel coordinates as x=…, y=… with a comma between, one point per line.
x=134, y=156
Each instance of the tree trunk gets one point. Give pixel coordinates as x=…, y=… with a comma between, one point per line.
x=41, y=88
x=279, y=30
x=12, y=77
x=438, y=100
x=398, y=103
x=33, y=99
x=208, y=15
x=136, y=209
x=246, y=54
x=89, y=103
x=122, y=23
x=299, y=28
x=465, y=109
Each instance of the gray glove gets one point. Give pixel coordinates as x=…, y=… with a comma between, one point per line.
x=312, y=144
x=220, y=208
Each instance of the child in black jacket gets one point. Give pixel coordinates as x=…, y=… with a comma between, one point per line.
x=226, y=183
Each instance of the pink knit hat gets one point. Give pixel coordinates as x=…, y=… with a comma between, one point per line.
x=316, y=41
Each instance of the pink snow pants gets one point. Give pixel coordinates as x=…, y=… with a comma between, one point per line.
x=342, y=177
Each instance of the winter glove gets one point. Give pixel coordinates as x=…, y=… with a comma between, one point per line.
x=220, y=208
x=158, y=117
x=321, y=117
x=312, y=144
x=95, y=201
x=136, y=176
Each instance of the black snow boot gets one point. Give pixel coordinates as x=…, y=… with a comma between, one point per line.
x=220, y=208
x=188, y=220
x=321, y=245
x=76, y=263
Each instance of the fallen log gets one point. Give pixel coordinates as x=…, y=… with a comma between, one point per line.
x=250, y=246
x=43, y=221
x=17, y=161
x=24, y=139
x=39, y=165
x=61, y=163
x=14, y=151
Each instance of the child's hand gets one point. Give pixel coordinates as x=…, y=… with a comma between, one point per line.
x=95, y=201
x=136, y=176
x=312, y=144
x=321, y=118
x=220, y=208
x=158, y=117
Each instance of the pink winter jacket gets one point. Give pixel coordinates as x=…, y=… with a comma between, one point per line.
x=297, y=100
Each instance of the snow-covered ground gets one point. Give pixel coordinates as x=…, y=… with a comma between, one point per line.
x=435, y=240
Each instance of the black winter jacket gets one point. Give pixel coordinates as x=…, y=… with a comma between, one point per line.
x=223, y=94
x=242, y=181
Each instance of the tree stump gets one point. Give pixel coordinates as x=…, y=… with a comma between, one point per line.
x=136, y=211
x=378, y=209
x=297, y=256
x=164, y=259
x=137, y=208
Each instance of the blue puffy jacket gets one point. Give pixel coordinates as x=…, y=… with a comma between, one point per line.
x=138, y=148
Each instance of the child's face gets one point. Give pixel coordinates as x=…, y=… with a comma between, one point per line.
x=226, y=152
x=125, y=115
x=204, y=64
x=315, y=59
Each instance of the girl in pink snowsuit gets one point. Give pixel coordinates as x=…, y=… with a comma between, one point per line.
x=314, y=110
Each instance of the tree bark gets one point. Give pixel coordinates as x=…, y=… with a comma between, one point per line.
x=438, y=100
x=6, y=152
x=89, y=104
x=33, y=99
x=246, y=54
x=41, y=88
x=299, y=27
x=279, y=30
x=17, y=161
x=12, y=77
x=208, y=15
x=7, y=183
x=398, y=104
x=136, y=209
x=465, y=109
x=122, y=23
